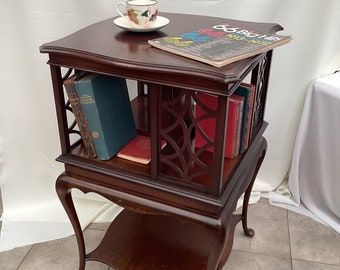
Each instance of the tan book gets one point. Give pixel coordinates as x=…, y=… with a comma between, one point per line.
x=79, y=114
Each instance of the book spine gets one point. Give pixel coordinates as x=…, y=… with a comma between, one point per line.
x=248, y=92
x=239, y=122
x=250, y=115
x=107, y=108
x=89, y=106
x=232, y=128
x=79, y=116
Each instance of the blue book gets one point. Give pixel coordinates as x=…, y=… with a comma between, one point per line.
x=106, y=105
x=247, y=91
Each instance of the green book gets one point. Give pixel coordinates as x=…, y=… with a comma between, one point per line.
x=106, y=105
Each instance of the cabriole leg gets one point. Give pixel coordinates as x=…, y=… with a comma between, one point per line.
x=64, y=193
x=248, y=231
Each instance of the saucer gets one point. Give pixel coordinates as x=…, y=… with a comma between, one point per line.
x=124, y=24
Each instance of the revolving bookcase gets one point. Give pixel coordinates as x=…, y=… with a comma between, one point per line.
x=179, y=209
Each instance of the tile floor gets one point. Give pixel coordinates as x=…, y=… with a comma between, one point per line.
x=283, y=241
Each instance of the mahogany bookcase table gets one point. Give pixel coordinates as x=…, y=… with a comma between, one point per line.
x=179, y=209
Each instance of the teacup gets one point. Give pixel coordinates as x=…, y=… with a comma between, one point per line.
x=140, y=13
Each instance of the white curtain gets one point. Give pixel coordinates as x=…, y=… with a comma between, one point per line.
x=29, y=140
x=313, y=186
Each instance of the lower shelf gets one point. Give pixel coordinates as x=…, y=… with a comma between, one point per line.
x=152, y=242
x=185, y=237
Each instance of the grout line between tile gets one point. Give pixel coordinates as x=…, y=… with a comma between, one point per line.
x=24, y=258
x=289, y=241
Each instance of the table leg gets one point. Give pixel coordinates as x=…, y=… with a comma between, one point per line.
x=235, y=218
x=63, y=189
x=248, y=231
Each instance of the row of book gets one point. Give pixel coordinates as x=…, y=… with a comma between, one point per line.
x=102, y=109
x=240, y=111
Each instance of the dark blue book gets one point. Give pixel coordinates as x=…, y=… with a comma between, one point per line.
x=248, y=92
x=106, y=105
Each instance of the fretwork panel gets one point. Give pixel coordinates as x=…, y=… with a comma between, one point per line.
x=182, y=161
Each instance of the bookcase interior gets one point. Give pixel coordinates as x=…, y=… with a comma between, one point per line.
x=169, y=112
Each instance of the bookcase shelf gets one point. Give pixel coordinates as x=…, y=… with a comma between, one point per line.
x=178, y=209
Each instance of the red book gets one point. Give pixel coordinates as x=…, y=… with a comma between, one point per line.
x=138, y=149
x=208, y=125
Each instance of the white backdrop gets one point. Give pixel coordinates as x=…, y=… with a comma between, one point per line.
x=29, y=140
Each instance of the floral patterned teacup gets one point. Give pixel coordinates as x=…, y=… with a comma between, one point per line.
x=140, y=13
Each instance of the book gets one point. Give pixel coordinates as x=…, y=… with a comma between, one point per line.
x=138, y=149
x=239, y=127
x=220, y=44
x=106, y=105
x=79, y=113
x=208, y=125
x=248, y=92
